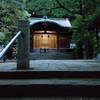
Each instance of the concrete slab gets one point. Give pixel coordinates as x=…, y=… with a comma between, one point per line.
x=52, y=81
x=54, y=65
x=51, y=98
x=50, y=87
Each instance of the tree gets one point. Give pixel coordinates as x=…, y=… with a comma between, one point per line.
x=61, y=8
x=88, y=11
x=9, y=15
x=52, y=8
x=81, y=37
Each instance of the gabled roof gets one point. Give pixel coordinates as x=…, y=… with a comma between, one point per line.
x=60, y=22
x=94, y=23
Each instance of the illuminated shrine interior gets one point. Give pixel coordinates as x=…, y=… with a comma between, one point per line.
x=49, y=36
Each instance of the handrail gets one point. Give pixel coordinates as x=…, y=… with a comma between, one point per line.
x=9, y=44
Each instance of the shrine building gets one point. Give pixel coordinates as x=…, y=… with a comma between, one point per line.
x=50, y=34
x=94, y=25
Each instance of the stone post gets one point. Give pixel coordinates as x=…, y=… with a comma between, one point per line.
x=23, y=45
x=98, y=57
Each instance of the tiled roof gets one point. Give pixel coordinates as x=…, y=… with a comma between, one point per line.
x=60, y=22
x=94, y=23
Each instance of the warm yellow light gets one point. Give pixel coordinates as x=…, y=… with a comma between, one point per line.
x=44, y=31
x=51, y=32
x=38, y=31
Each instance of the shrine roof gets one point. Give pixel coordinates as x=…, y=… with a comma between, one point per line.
x=94, y=23
x=61, y=22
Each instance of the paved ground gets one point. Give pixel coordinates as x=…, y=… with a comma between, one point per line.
x=53, y=81
x=54, y=65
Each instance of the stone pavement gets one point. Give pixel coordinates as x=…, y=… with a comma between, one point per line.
x=54, y=65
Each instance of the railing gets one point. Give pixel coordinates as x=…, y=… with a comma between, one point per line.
x=9, y=44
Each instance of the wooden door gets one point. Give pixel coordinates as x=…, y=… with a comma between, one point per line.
x=45, y=41
x=53, y=41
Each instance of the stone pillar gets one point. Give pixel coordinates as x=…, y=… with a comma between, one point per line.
x=98, y=57
x=23, y=45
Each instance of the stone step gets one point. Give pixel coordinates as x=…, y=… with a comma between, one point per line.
x=30, y=74
x=64, y=87
x=56, y=56
x=49, y=98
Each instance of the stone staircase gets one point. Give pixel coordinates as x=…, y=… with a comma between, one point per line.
x=53, y=55
x=30, y=83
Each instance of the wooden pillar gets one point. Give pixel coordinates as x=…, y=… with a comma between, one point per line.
x=23, y=45
x=33, y=41
x=32, y=37
x=58, y=41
